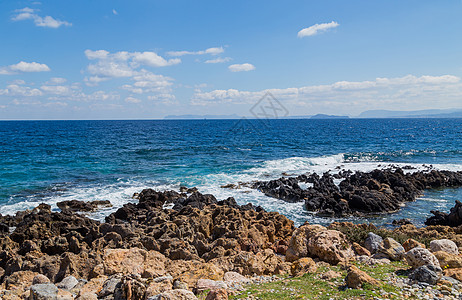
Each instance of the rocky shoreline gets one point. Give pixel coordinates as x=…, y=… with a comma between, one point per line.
x=359, y=193
x=186, y=245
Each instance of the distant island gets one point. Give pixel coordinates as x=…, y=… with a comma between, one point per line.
x=369, y=114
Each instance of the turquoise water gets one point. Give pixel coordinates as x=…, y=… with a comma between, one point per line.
x=51, y=161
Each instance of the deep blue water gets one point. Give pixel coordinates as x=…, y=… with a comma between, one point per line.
x=50, y=161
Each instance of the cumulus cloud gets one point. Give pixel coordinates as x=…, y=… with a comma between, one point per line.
x=218, y=60
x=241, y=67
x=24, y=67
x=352, y=97
x=212, y=51
x=31, y=14
x=316, y=29
x=153, y=60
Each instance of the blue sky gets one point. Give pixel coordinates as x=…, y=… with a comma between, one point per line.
x=147, y=59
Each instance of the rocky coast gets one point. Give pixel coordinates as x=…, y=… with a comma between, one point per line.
x=188, y=245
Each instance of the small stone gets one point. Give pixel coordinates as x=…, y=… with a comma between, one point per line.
x=68, y=283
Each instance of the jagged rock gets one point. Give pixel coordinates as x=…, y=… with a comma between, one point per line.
x=356, y=278
x=428, y=273
x=39, y=278
x=20, y=280
x=330, y=246
x=373, y=242
x=444, y=245
x=411, y=244
x=75, y=205
x=298, y=246
x=134, y=261
x=454, y=218
x=418, y=257
x=109, y=286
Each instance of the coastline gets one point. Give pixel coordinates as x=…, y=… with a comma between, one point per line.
x=199, y=246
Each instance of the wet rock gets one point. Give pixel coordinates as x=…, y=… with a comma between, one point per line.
x=373, y=242
x=418, y=257
x=75, y=205
x=454, y=218
x=356, y=278
x=428, y=274
x=444, y=245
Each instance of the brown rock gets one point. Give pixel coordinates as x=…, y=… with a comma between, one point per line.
x=356, y=278
x=448, y=260
x=176, y=295
x=134, y=261
x=20, y=280
x=298, y=243
x=454, y=273
x=360, y=250
x=410, y=244
x=392, y=249
x=39, y=278
x=330, y=246
x=220, y=294
x=302, y=266
x=190, y=272
x=331, y=274
x=207, y=284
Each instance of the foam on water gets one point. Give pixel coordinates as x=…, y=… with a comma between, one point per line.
x=120, y=192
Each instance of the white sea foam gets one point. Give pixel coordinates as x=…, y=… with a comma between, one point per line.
x=121, y=192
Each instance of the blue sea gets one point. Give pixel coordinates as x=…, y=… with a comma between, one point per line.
x=52, y=161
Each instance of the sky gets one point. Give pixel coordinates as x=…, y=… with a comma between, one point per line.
x=146, y=59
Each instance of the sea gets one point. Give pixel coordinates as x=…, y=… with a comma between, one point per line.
x=52, y=161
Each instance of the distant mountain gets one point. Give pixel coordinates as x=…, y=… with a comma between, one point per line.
x=201, y=117
x=428, y=113
x=323, y=116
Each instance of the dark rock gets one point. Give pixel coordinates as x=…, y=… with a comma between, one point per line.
x=429, y=274
x=453, y=219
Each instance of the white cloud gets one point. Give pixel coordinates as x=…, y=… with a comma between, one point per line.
x=55, y=89
x=218, y=60
x=317, y=28
x=31, y=14
x=153, y=60
x=212, y=51
x=132, y=100
x=19, y=90
x=241, y=67
x=344, y=97
x=121, y=64
x=115, y=12
x=24, y=67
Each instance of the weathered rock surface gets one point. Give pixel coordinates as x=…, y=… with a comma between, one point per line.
x=392, y=249
x=411, y=243
x=453, y=219
x=373, y=242
x=418, y=257
x=428, y=274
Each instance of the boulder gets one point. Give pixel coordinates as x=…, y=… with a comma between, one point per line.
x=39, y=278
x=444, y=245
x=20, y=280
x=392, y=249
x=220, y=294
x=330, y=246
x=302, y=266
x=356, y=278
x=428, y=274
x=234, y=277
x=373, y=242
x=298, y=247
x=448, y=260
x=411, y=243
x=418, y=257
